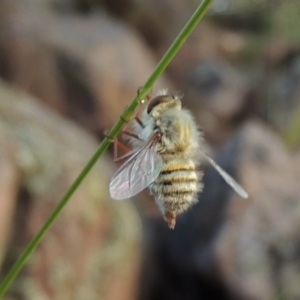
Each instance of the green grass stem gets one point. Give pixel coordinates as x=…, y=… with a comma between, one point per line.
x=126, y=115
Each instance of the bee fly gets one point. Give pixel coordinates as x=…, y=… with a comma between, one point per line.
x=166, y=143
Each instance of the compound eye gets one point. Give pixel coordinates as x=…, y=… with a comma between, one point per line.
x=156, y=101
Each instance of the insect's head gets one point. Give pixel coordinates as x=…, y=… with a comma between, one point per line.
x=162, y=103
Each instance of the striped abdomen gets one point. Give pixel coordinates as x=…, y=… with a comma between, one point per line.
x=176, y=187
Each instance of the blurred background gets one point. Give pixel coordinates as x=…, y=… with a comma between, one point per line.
x=67, y=70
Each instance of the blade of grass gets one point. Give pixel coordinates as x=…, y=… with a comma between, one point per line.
x=127, y=114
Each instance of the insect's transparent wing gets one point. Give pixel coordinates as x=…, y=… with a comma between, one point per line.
x=226, y=176
x=138, y=172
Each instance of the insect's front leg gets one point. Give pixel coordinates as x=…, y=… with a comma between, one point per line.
x=139, y=121
x=142, y=101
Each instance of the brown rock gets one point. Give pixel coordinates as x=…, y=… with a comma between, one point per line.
x=92, y=250
x=160, y=19
x=222, y=87
x=257, y=247
x=87, y=67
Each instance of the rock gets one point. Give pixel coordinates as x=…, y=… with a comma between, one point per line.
x=258, y=244
x=222, y=88
x=91, y=251
x=86, y=67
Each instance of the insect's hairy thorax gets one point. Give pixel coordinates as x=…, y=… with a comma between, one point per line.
x=176, y=132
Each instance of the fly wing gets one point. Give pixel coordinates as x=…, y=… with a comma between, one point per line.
x=226, y=176
x=138, y=172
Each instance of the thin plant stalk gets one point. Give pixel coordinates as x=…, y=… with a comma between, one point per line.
x=126, y=115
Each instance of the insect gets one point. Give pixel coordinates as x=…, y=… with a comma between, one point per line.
x=166, y=143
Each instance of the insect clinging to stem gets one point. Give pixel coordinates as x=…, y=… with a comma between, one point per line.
x=166, y=143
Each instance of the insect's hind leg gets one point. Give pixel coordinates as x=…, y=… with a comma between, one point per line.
x=118, y=144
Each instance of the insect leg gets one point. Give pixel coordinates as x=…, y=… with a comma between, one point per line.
x=148, y=97
x=117, y=144
x=131, y=134
x=139, y=121
x=125, y=148
x=132, y=152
